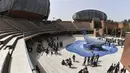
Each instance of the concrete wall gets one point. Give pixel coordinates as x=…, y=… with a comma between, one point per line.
x=111, y=26
x=121, y=25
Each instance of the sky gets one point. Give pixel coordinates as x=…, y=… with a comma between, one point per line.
x=116, y=10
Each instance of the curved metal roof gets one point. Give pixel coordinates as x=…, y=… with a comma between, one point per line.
x=89, y=15
x=39, y=7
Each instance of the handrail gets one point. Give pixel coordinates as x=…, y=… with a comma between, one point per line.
x=29, y=60
x=4, y=54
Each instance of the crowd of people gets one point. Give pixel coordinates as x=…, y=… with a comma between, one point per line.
x=53, y=46
x=119, y=42
x=92, y=61
x=115, y=68
x=67, y=62
x=50, y=45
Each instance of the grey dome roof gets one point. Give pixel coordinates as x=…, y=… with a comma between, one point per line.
x=38, y=7
x=88, y=15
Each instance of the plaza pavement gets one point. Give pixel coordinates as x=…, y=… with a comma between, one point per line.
x=52, y=64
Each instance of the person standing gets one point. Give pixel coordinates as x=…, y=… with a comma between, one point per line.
x=116, y=70
x=122, y=43
x=51, y=53
x=84, y=61
x=98, y=57
x=47, y=51
x=118, y=66
x=110, y=69
x=92, y=59
x=73, y=57
x=85, y=70
x=61, y=44
x=113, y=69
x=70, y=62
x=124, y=70
x=81, y=71
x=57, y=38
x=37, y=68
x=88, y=61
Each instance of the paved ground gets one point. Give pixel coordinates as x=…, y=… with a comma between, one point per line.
x=52, y=64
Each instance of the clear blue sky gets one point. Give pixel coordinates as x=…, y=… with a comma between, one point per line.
x=115, y=9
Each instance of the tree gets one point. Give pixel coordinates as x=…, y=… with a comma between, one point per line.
x=125, y=21
x=128, y=20
x=111, y=22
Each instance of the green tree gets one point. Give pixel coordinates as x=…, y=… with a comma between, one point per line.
x=125, y=21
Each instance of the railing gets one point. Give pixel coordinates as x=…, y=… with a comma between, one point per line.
x=24, y=52
x=4, y=62
x=29, y=60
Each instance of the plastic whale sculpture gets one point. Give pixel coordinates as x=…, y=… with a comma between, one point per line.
x=95, y=42
x=91, y=46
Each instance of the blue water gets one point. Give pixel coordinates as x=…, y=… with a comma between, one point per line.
x=81, y=48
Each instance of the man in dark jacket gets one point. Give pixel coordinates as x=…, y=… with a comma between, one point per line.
x=73, y=57
x=110, y=68
x=81, y=71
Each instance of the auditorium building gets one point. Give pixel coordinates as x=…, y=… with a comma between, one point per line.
x=94, y=21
